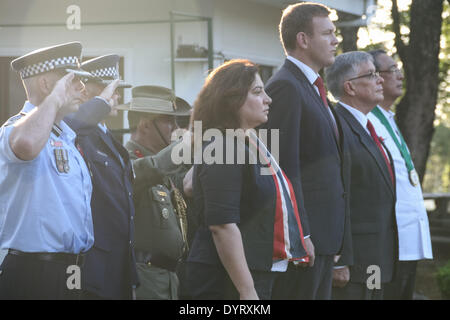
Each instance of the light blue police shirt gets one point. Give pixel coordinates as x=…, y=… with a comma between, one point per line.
x=42, y=209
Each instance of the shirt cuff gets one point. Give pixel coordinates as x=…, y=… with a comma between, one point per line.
x=339, y=267
x=101, y=98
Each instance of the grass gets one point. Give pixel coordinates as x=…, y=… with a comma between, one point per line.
x=426, y=283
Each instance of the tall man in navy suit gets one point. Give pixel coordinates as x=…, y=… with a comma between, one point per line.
x=109, y=271
x=309, y=146
x=370, y=259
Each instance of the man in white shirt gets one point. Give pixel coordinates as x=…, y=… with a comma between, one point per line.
x=412, y=221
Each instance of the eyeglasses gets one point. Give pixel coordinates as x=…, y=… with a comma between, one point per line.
x=393, y=70
x=371, y=75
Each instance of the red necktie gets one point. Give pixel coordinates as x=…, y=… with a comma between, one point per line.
x=378, y=143
x=323, y=94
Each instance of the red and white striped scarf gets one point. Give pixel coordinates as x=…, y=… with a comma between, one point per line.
x=288, y=243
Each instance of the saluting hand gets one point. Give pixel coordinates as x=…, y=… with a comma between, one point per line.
x=109, y=93
x=64, y=93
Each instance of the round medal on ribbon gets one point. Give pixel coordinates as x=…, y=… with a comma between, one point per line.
x=414, y=177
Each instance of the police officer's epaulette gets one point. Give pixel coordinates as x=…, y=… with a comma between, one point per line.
x=56, y=130
x=14, y=119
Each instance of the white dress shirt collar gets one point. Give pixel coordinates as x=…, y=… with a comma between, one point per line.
x=361, y=117
x=309, y=73
x=103, y=127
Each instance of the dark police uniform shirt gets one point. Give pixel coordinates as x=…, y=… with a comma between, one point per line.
x=109, y=270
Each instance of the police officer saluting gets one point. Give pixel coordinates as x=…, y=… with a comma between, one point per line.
x=109, y=271
x=45, y=187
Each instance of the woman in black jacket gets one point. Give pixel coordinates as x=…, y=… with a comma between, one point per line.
x=251, y=226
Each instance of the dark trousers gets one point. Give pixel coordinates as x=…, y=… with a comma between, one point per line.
x=183, y=291
x=87, y=295
x=402, y=287
x=26, y=278
x=208, y=282
x=306, y=283
x=357, y=291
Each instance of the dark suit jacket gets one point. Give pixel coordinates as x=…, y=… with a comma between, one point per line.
x=310, y=156
x=109, y=270
x=372, y=204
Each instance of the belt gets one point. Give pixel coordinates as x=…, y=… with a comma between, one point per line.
x=60, y=257
x=159, y=261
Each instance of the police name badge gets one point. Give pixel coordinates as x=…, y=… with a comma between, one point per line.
x=414, y=177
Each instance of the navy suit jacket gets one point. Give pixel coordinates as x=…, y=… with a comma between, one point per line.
x=109, y=270
x=310, y=155
x=372, y=204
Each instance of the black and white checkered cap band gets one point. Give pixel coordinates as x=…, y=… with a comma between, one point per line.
x=48, y=65
x=110, y=72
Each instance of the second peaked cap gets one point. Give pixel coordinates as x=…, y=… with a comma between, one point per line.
x=105, y=69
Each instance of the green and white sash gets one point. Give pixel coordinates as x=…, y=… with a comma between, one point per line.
x=401, y=145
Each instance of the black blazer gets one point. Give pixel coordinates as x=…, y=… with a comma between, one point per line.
x=310, y=155
x=372, y=204
x=109, y=269
x=236, y=193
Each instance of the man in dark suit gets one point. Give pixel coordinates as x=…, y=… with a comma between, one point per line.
x=309, y=146
x=110, y=270
x=369, y=261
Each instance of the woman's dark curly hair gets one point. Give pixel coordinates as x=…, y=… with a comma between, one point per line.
x=223, y=94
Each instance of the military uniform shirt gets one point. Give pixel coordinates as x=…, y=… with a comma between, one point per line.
x=41, y=208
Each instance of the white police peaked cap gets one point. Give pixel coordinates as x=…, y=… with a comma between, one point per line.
x=64, y=57
x=105, y=69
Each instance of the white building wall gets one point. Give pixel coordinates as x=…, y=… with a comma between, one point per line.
x=241, y=29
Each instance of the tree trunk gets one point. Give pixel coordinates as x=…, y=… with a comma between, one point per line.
x=349, y=34
x=415, y=112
